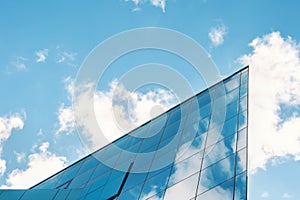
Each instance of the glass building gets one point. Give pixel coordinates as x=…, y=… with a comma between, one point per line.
x=196, y=150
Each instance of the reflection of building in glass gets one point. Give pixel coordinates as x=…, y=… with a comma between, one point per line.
x=196, y=150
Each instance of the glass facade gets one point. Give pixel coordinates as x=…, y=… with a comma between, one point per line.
x=196, y=150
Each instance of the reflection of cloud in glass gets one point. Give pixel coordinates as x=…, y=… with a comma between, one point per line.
x=216, y=174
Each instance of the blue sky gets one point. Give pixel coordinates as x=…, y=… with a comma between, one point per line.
x=42, y=46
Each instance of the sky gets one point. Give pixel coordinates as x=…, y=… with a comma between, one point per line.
x=43, y=47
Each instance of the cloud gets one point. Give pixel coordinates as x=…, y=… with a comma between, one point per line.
x=67, y=57
x=65, y=113
x=2, y=167
x=265, y=195
x=287, y=196
x=41, y=55
x=7, y=124
x=41, y=165
x=19, y=63
x=117, y=111
x=274, y=89
x=157, y=3
x=19, y=156
x=216, y=34
x=66, y=120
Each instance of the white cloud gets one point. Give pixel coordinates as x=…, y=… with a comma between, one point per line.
x=287, y=196
x=265, y=195
x=66, y=57
x=274, y=81
x=69, y=86
x=2, y=167
x=19, y=63
x=157, y=3
x=43, y=148
x=216, y=34
x=65, y=113
x=116, y=115
x=19, y=156
x=7, y=124
x=40, y=166
x=41, y=55
x=66, y=120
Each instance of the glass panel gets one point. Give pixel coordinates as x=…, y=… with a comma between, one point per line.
x=216, y=174
x=121, y=142
x=142, y=162
x=175, y=115
x=49, y=183
x=112, y=188
x=69, y=173
x=228, y=129
x=185, y=189
x=151, y=142
x=172, y=129
x=218, y=151
x=242, y=139
x=242, y=120
x=232, y=96
x=140, y=131
x=244, y=89
x=241, y=187
x=97, y=182
x=37, y=194
x=100, y=170
x=125, y=158
x=204, y=98
x=62, y=194
x=163, y=159
x=155, y=184
x=76, y=194
x=94, y=194
x=205, y=111
x=158, y=196
x=12, y=194
x=80, y=181
x=243, y=104
x=185, y=168
x=245, y=77
x=188, y=149
x=232, y=83
x=156, y=128
x=231, y=110
x=133, y=193
x=89, y=163
x=241, y=161
x=132, y=141
x=220, y=192
x=108, y=153
x=134, y=179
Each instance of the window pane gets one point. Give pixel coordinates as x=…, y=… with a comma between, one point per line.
x=185, y=189
x=80, y=181
x=218, y=151
x=155, y=184
x=242, y=139
x=220, y=192
x=241, y=187
x=241, y=161
x=242, y=120
x=216, y=174
x=185, y=168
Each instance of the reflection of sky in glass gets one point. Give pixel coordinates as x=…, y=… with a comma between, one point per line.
x=208, y=158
